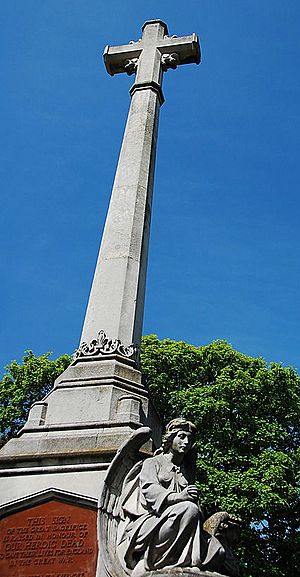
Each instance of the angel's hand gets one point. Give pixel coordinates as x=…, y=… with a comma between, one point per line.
x=190, y=493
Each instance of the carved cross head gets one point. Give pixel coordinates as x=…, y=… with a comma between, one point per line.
x=152, y=55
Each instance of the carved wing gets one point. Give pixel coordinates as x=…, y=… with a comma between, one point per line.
x=109, y=505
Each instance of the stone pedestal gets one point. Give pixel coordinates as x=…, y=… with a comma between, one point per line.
x=72, y=435
x=51, y=474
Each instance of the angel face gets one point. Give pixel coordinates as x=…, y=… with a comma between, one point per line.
x=182, y=442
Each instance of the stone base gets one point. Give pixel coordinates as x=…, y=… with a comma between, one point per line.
x=72, y=435
x=52, y=473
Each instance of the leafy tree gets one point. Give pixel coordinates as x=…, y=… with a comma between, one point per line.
x=247, y=415
x=24, y=384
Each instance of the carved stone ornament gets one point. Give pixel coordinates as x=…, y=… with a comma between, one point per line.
x=103, y=346
x=130, y=66
x=150, y=519
x=170, y=61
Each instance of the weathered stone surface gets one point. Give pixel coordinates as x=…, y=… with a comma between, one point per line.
x=72, y=435
x=77, y=478
x=116, y=302
x=83, y=371
x=92, y=408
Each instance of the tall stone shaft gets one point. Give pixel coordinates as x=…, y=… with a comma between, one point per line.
x=116, y=302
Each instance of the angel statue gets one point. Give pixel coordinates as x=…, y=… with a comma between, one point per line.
x=150, y=519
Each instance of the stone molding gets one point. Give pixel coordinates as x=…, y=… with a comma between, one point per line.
x=49, y=469
x=43, y=497
x=103, y=346
x=154, y=86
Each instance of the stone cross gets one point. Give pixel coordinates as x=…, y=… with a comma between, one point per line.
x=60, y=457
x=116, y=302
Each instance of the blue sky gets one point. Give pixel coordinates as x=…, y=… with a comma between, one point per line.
x=224, y=248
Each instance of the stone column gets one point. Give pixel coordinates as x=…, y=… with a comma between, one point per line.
x=116, y=303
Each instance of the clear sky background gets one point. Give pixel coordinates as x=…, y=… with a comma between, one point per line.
x=224, y=248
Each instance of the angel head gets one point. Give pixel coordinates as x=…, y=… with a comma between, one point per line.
x=180, y=436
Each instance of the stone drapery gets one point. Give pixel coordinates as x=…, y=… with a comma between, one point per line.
x=163, y=534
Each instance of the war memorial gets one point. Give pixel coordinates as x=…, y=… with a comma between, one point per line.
x=90, y=487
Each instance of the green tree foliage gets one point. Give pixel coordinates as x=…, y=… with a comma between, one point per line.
x=24, y=384
x=247, y=415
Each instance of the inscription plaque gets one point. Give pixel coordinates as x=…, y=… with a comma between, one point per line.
x=53, y=539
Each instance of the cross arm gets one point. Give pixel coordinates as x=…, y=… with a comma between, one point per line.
x=187, y=48
x=115, y=57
